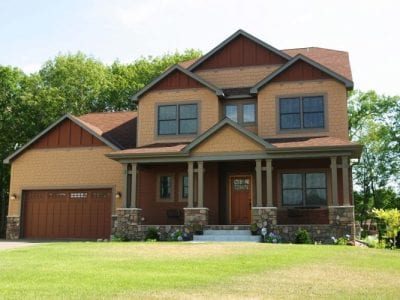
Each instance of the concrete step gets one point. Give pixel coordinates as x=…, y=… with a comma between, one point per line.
x=226, y=232
x=226, y=238
x=227, y=227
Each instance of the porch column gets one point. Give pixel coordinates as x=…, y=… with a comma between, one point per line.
x=269, y=183
x=200, y=181
x=259, y=182
x=133, y=185
x=190, y=184
x=334, y=180
x=345, y=177
x=124, y=185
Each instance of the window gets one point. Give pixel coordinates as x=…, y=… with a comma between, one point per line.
x=177, y=119
x=165, y=187
x=241, y=113
x=304, y=189
x=185, y=187
x=302, y=112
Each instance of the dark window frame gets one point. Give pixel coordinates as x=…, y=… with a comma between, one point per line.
x=177, y=119
x=304, y=189
x=171, y=188
x=301, y=112
x=240, y=112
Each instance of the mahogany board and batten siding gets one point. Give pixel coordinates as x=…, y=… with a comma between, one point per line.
x=177, y=80
x=300, y=71
x=67, y=214
x=67, y=134
x=241, y=52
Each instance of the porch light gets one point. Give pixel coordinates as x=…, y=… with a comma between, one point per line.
x=13, y=197
x=118, y=195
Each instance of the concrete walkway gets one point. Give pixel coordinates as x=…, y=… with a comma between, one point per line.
x=5, y=245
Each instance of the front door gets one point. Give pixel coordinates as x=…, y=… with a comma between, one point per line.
x=240, y=194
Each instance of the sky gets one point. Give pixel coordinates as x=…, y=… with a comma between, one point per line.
x=32, y=32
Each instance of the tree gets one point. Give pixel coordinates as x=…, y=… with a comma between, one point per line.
x=374, y=122
x=391, y=220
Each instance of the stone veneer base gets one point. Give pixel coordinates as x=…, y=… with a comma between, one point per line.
x=13, y=228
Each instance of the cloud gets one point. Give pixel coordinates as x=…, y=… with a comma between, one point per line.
x=31, y=68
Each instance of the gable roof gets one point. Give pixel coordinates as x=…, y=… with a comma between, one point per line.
x=300, y=57
x=226, y=121
x=240, y=32
x=337, y=61
x=179, y=68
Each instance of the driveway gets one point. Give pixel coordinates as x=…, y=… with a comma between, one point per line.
x=4, y=245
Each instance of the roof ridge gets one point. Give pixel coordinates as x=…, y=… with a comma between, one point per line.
x=316, y=47
x=106, y=112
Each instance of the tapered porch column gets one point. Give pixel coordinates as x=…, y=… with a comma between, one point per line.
x=259, y=182
x=134, y=185
x=124, y=185
x=334, y=180
x=269, y=182
x=345, y=177
x=190, y=184
x=200, y=181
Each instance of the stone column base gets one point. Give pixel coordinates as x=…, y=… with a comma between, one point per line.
x=343, y=217
x=13, y=228
x=264, y=216
x=126, y=222
x=196, y=215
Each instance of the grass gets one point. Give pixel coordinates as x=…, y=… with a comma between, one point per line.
x=184, y=270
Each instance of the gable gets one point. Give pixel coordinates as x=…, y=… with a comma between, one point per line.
x=67, y=134
x=239, y=52
x=301, y=70
x=177, y=80
x=227, y=139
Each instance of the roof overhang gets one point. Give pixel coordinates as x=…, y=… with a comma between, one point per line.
x=177, y=67
x=65, y=117
x=348, y=83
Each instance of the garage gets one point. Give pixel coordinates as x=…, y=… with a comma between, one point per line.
x=67, y=214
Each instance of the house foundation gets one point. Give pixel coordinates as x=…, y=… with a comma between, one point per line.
x=13, y=228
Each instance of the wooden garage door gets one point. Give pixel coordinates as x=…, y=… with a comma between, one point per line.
x=57, y=214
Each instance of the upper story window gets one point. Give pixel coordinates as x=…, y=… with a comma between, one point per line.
x=177, y=119
x=242, y=113
x=302, y=112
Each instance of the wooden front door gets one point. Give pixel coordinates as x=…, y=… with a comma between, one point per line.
x=240, y=194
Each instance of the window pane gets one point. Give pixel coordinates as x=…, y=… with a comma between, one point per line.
x=292, y=197
x=188, y=111
x=313, y=104
x=231, y=112
x=291, y=181
x=315, y=180
x=165, y=187
x=185, y=186
x=290, y=121
x=289, y=105
x=167, y=112
x=313, y=120
x=188, y=126
x=249, y=113
x=167, y=127
x=316, y=197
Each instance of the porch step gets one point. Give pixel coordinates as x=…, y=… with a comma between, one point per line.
x=226, y=235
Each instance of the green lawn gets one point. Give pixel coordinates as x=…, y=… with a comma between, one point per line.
x=183, y=270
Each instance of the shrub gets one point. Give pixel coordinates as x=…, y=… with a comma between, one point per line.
x=391, y=220
x=373, y=241
x=119, y=238
x=273, y=238
x=302, y=237
x=177, y=236
x=342, y=241
x=152, y=234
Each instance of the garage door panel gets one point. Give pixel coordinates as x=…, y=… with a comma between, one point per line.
x=67, y=214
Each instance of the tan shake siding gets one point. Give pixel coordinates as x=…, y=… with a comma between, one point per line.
x=228, y=139
x=336, y=96
x=237, y=77
x=63, y=168
x=147, y=113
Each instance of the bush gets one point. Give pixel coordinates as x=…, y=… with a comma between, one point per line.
x=152, y=234
x=391, y=222
x=119, y=238
x=273, y=238
x=373, y=241
x=303, y=237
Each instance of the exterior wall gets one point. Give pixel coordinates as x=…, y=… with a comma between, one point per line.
x=147, y=114
x=237, y=77
x=177, y=80
x=336, y=96
x=227, y=139
x=63, y=168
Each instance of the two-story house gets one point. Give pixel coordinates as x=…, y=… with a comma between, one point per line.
x=245, y=134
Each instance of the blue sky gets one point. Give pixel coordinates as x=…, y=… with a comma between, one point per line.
x=32, y=32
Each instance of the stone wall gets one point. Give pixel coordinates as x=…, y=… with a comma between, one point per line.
x=264, y=216
x=197, y=215
x=13, y=228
